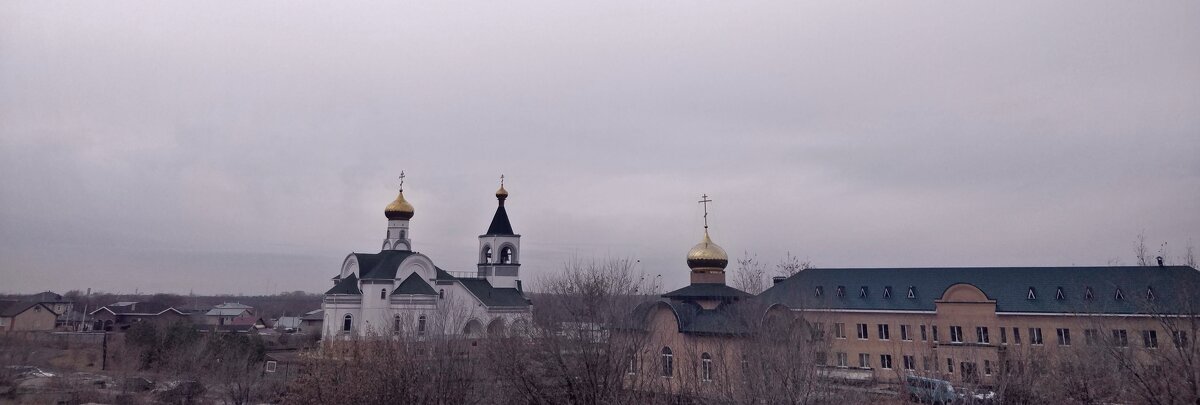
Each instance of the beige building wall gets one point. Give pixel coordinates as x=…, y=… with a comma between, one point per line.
x=34, y=318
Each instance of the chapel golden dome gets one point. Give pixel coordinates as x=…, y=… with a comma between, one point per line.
x=399, y=209
x=502, y=193
x=707, y=256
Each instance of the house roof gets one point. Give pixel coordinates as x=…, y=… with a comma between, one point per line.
x=233, y=305
x=492, y=296
x=1144, y=289
x=226, y=311
x=314, y=315
x=137, y=308
x=415, y=285
x=347, y=286
x=10, y=309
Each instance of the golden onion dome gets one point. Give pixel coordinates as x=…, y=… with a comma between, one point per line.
x=501, y=193
x=706, y=256
x=399, y=209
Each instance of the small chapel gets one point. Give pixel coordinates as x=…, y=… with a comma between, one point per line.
x=401, y=292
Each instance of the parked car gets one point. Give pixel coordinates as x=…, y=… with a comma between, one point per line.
x=941, y=392
x=930, y=390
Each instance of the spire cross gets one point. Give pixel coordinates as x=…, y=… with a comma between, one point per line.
x=704, y=200
x=501, y=180
x=401, y=180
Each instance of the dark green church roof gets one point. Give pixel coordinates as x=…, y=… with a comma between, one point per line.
x=415, y=285
x=348, y=285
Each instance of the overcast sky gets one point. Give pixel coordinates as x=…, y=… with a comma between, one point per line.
x=249, y=147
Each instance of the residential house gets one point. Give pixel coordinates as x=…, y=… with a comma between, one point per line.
x=121, y=315
x=25, y=315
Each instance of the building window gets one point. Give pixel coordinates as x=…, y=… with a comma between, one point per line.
x=885, y=361
x=904, y=333
x=396, y=325
x=421, y=325
x=1003, y=335
x=862, y=331
x=887, y=292
x=841, y=291
x=1064, y=336
x=981, y=335
x=862, y=292
x=1032, y=295
x=442, y=294
x=1035, y=336
x=1087, y=293
x=987, y=367
x=486, y=256
x=1120, y=338
x=926, y=363
x=935, y=334
x=347, y=323
x=924, y=337
x=383, y=294
x=1058, y=295
x=1016, y=336
x=912, y=293
x=632, y=363
x=839, y=330
x=706, y=367
x=950, y=366
x=1180, y=338
x=910, y=363
x=1091, y=336
x=884, y=334
x=1118, y=296
x=668, y=362
x=271, y=366
x=864, y=360
x=843, y=360
x=820, y=290
x=1150, y=339
x=1149, y=294
x=956, y=335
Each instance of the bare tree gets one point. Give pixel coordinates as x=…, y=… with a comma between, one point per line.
x=790, y=265
x=1139, y=250
x=572, y=355
x=750, y=275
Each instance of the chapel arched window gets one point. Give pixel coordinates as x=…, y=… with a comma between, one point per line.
x=347, y=323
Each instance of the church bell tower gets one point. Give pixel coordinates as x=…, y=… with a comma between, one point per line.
x=500, y=248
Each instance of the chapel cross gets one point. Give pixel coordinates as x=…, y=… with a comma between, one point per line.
x=401, y=180
x=501, y=180
x=704, y=200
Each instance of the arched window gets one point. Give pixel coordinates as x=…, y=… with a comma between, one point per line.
x=705, y=367
x=383, y=294
x=396, y=325
x=401, y=234
x=347, y=323
x=486, y=255
x=442, y=294
x=632, y=363
x=421, y=325
x=668, y=365
x=506, y=255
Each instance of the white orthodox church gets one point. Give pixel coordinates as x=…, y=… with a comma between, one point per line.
x=399, y=291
